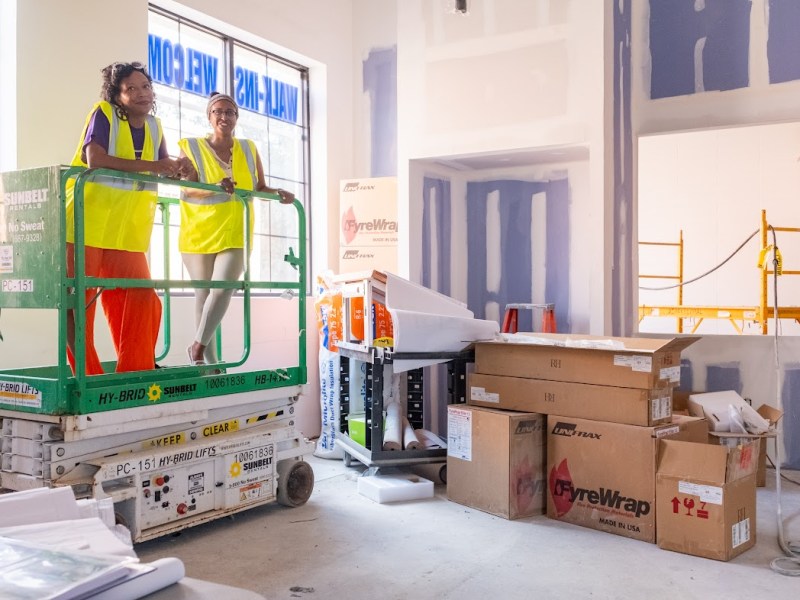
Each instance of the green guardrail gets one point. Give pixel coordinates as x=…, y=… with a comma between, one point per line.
x=33, y=277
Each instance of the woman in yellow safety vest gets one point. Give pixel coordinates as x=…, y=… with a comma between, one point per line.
x=120, y=133
x=211, y=237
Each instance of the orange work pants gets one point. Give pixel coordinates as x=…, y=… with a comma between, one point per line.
x=133, y=314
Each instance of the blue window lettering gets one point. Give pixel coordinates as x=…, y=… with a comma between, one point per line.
x=154, y=57
x=209, y=74
x=251, y=90
x=197, y=73
x=238, y=78
x=178, y=64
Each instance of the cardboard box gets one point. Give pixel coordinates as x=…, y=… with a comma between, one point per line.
x=496, y=460
x=772, y=415
x=582, y=400
x=603, y=475
x=706, y=498
x=717, y=408
x=645, y=363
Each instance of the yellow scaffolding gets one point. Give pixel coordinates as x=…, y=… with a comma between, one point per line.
x=757, y=314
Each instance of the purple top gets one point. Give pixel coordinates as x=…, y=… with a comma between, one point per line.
x=99, y=130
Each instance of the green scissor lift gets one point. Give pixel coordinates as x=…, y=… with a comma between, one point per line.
x=84, y=417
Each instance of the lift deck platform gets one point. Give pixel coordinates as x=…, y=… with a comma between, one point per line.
x=172, y=447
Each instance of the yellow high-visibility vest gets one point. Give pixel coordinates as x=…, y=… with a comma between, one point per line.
x=118, y=213
x=214, y=222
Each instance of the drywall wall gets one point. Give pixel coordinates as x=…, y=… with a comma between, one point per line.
x=503, y=78
x=375, y=88
x=707, y=64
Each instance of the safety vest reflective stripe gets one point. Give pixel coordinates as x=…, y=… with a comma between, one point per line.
x=251, y=161
x=123, y=184
x=127, y=184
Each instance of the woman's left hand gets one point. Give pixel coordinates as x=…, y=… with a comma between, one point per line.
x=286, y=196
x=227, y=184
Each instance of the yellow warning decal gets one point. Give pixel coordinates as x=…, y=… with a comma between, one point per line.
x=264, y=417
x=221, y=427
x=173, y=439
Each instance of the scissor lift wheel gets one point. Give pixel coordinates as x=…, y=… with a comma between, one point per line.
x=295, y=482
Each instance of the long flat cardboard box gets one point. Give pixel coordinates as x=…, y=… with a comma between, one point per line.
x=586, y=401
x=645, y=363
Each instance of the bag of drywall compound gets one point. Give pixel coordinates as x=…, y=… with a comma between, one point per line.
x=328, y=308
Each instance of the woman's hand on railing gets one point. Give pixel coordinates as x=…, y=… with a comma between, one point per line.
x=228, y=185
x=169, y=167
x=186, y=169
x=286, y=196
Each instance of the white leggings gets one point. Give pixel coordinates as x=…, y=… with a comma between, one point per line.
x=210, y=305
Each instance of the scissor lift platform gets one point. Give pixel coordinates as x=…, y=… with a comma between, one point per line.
x=223, y=435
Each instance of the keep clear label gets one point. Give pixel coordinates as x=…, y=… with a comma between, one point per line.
x=20, y=393
x=248, y=474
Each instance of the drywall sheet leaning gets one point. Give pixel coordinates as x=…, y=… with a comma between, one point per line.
x=426, y=332
x=426, y=321
x=405, y=295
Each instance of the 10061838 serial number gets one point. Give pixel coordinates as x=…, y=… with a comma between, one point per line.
x=223, y=382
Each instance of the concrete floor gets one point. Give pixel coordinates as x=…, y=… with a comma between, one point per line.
x=342, y=545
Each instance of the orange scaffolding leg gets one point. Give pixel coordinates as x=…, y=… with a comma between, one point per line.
x=549, y=319
x=512, y=316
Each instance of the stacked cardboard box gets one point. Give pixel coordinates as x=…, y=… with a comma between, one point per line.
x=622, y=380
x=608, y=401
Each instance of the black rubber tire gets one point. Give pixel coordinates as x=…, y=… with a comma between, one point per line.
x=295, y=482
x=443, y=473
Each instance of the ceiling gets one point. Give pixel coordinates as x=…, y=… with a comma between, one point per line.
x=513, y=159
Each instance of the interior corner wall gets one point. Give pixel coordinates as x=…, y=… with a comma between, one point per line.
x=494, y=236
x=710, y=65
x=506, y=77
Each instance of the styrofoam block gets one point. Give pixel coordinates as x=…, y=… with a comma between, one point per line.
x=395, y=488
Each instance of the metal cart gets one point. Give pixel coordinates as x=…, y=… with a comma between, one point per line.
x=371, y=453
